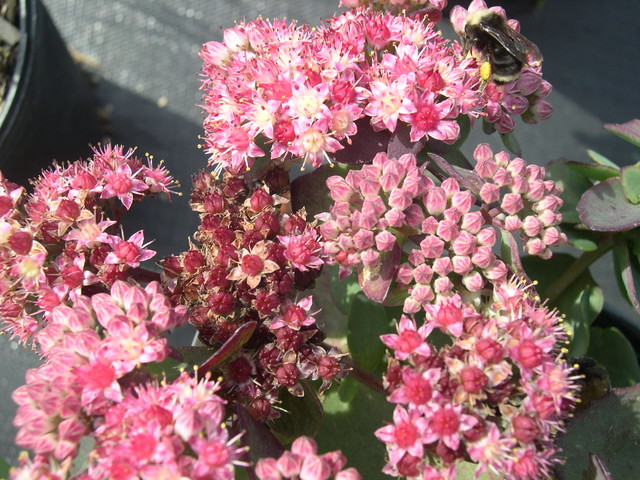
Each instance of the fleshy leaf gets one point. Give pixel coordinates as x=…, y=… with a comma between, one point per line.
x=580, y=238
x=627, y=272
x=350, y=426
x=467, y=471
x=375, y=280
x=596, y=470
x=510, y=141
x=611, y=348
x=301, y=415
x=601, y=159
x=257, y=436
x=364, y=145
x=332, y=297
x=629, y=131
x=4, y=468
x=466, y=178
x=631, y=183
x=610, y=429
x=593, y=171
x=367, y=321
x=342, y=290
x=400, y=143
x=605, y=208
x=572, y=185
x=234, y=343
x=310, y=190
x=487, y=127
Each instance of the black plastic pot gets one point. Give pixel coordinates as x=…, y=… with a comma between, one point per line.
x=50, y=110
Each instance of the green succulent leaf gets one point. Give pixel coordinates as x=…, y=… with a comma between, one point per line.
x=601, y=159
x=631, y=183
x=573, y=185
x=511, y=143
x=350, y=426
x=611, y=349
x=627, y=270
x=367, y=321
x=610, y=429
x=594, y=171
x=629, y=131
x=301, y=415
x=580, y=238
x=605, y=208
x=310, y=190
x=596, y=470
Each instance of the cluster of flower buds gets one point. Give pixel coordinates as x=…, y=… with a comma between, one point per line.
x=58, y=241
x=302, y=461
x=496, y=392
x=452, y=229
x=251, y=260
x=303, y=93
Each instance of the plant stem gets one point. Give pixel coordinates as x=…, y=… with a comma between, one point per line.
x=364, y=378
x=577, y=268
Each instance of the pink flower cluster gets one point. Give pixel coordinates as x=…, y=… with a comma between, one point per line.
x=452, y=229
x=496, y=393
x=299, y=93
x=303, y=462
x=59, y=240
x=90, y=349
x=252, y=259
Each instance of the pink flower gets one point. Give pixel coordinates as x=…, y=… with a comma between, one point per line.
x=128, y=252
x=122, y=184
x=409, y=340
x=253, y=265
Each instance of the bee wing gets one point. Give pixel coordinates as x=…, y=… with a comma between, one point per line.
x=516, y=44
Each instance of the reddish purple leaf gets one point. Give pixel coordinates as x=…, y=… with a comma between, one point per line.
x=262, y=443
x=629, y=131
x=364, y=145
x=605, y=208
x=231, y=346
x=467, y=178
x=375, y=280
x=401, y=144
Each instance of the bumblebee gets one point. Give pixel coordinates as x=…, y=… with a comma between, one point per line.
x=505, y=50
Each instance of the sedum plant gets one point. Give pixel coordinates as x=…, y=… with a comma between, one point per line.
x=355, y=283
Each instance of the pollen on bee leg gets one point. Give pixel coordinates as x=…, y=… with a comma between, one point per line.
x=485, y=71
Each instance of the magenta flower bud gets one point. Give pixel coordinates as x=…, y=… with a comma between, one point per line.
x=422, y=294
x=416, y=257
x=429, y=225
x=369, y=188
x=519, y=185
x=385, y=241
x=481, y=154
x=289, y=464
x=21, y=242
x=472, y=222
x=267, y=469
x=442, y=266
x=535, y=190
x=505, y=124
x=364, y=220
x=535, y=246
x=541, y=110
x=215, y=53
x=525, y=428
x=404, y=274
x=461, y=264
x=551, y=236
x=544, y=90
x=549, y=218
x=502, y=159
x=474, y=282
x=496, y=271
x=473, y=379
x=502, y=177
x=490, y=193
x=512, y=223
x=436, y=201
x=550, y=202
x=389, y=181
x=447, y=230
x=483, y=257
x=411, y=306
x=363, y=239
x=487, y=236
x=395, y=217
x=432, y=247
x=532, y=226
x=339, y=189
x=304, y=446
x=490, y=350
x=235, y=39
x=464, y=243
x=373, y=206
x=529, y=355
x=528, y=82
x=544, y=406
x=348, y=474
x=260, y=200
x=315, y=468
x=414, y=215
x=370, y=257
x=462, y=201
x=442, y=285
x=512, y=203
x=68, y=210
x=399, y=199
x=516, y=104
x=423, y=274
x=336, y=460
